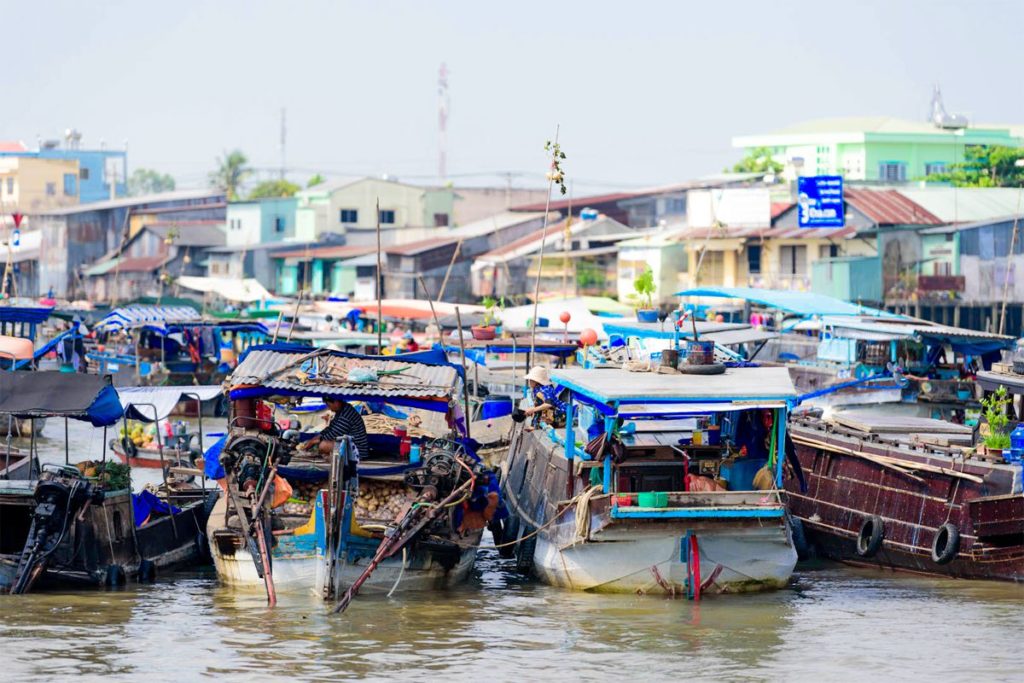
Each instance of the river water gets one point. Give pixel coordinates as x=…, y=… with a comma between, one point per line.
x=832, y=623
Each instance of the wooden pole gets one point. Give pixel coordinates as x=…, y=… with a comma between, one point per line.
x=295, y=317
x=462, y=352
x=447, y=273
x=426, y=293
x=540, y=264
x=566, y=246
x=1009, y=263
x=380, y=286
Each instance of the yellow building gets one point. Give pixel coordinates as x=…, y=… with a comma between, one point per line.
x=30, y=184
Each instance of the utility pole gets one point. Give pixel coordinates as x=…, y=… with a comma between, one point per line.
x=442, y=123
x=284, y=132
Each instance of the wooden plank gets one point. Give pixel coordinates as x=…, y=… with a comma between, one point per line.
x=879, y=423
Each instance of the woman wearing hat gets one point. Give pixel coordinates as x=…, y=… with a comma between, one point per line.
x=546, y=405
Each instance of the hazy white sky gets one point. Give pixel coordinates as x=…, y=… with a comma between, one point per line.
x=645, y=92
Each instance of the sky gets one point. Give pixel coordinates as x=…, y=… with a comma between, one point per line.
x=641, y=93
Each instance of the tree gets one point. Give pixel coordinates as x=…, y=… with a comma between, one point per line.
x=315, y=180
x=758, y=160
x=274, y=188
x=984, y=166
x=232, y=171
x=148, y=181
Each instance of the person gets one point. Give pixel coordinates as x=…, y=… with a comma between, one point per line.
x=546, y=404
x=346, y=422
x=409, y=344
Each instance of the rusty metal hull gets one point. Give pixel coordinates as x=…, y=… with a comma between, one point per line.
x=915, y=490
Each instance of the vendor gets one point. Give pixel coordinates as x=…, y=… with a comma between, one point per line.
x=346, y=422
x=546, y=405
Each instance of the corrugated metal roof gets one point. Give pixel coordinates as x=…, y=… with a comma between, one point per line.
x=417, y=381
x=140, y=202
x=191, y=233
x=326, y=252
x=735, y=384
x=420, y=246
x=966, y=204
x=913, y=328
x=889, y=207
x=130, y=317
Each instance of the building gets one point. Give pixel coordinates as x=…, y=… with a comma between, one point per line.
x=873, y=148
x=579, y=259
x=149, y=262
x=29, y=184
x=477, y=203
x=78, y=236
x=323, y=270
x=261, y=221
x=88, y=175
x=348, y=207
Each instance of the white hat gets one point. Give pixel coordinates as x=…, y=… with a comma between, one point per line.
x=540, y=375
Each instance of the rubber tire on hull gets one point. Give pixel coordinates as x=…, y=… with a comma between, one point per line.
x=147, y=571
x=869, y=538
x=713, y=369
x=510, y=531
x=115, y=576
x=946, y=544
x=803, y=548
x=524, y=552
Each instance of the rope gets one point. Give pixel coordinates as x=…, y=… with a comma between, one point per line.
x=583, y=513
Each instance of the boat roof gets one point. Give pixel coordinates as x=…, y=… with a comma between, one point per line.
x=162, y=318
x=291, y=370
x=723, y=334
x=800, y=303
x=139, y=402
x=735, y=385
x=336, y=338
x=89, y=398
x=25, y=314
x=873, y=329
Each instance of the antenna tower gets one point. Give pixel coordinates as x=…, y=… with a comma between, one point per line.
x=442, y=122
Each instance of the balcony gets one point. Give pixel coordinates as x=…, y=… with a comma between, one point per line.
x=940, y=283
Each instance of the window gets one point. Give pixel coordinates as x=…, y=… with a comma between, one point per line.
x=83, y=173
x=942, y=268
x=387, y=217
x=10, y=185
x=440, y=220
x=793, y=260
x=934, y=167
x=348, y=216
x=675, y=205
x=754, y=259
x=278, y=224
x=828, y=251
x=70, y=184
x=892, y=171
x=51, y=189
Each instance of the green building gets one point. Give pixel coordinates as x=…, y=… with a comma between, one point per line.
x=878, y=148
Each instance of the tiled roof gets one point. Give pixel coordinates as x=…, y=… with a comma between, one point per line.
x=889, y=207
x=12, y=146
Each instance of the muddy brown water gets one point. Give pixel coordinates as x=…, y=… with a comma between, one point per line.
x=832, y=623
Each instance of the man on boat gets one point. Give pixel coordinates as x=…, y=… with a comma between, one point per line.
x=546, y=405
x=346, y=422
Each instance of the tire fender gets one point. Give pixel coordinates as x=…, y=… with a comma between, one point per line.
x=946, y=544
x=869, y=538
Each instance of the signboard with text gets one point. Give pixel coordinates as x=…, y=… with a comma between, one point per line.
x=820, y=201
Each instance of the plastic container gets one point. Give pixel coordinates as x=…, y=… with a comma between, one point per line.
x=700, y=352
x=1017, y=443
x=414, y=453
x=653, y=499
x=625, y=500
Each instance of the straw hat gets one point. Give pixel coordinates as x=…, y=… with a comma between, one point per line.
x=539, y=375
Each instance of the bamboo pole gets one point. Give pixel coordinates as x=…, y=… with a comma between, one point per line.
x=540, y=266
x=447, y=273
x=380, y=286
x=426, y=293
x=462, y=352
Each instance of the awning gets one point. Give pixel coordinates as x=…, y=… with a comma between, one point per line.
x=89, y=398
x=24, y=314
x=132, y=317
x=139, y=401
x=232, y=289
x=801, y=303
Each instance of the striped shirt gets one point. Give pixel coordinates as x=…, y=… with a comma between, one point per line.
x=348, y=422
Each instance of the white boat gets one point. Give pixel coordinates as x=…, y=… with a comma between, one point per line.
x=643, y=520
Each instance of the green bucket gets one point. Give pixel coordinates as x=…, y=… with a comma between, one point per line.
x=652, y=500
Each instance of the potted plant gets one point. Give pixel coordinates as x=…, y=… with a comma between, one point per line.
x=994, y=406
x=491, y=320
x=644, y=294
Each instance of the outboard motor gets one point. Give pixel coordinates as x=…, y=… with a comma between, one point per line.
x=60, y=494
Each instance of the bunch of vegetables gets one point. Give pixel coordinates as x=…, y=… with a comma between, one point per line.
x=382, y=500
x=111, y=476
x=143, y=437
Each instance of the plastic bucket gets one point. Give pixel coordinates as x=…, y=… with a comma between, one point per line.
x=700, y=352
x=653, y=499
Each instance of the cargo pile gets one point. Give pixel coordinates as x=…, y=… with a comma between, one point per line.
x=382, y=500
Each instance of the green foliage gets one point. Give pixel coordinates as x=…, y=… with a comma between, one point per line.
x=274, y=188
x=147, y=181
x=492, y=310
x=994, y=406
x=556, y=174
x=758, y=160
x=315, y=180
x=232, y=171
x=645, y=287
x=984, y=166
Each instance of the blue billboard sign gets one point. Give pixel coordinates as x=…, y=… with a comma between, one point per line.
x=820, y=201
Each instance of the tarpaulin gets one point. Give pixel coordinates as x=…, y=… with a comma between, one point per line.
x=89, y=398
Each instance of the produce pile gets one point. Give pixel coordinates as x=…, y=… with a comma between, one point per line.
x=378, y=423
x=143, y=437
x=301, y=500
x=111, y=476
x=382, y=500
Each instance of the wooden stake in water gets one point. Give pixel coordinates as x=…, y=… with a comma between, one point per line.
x=462, y=352
x=380, y=286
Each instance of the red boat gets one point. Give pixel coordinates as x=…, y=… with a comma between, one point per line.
x=896, y=492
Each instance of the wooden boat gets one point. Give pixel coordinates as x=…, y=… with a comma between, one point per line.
x=650, y=518
x=904, y=493
x=71, y=529
x=387, y=523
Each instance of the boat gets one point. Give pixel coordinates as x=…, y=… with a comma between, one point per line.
x=153, y=406
x=649, y=506
x=81, y=525
x=392, y=522
x=170, y=345
x=904, y=493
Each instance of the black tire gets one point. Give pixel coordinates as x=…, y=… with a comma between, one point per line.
x=800, y=544
x=509, y=532
x=115, y=576
x=129, y=447
x=713, y=369
x=524, y=552
x=869, y=539
x=147, y=571
x=946, y=544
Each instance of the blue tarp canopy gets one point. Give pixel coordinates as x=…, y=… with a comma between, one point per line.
x=133, y=317
x=88, y=398
x=24, y=314
x=800, y=303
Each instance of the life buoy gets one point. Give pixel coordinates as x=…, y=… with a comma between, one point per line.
x=129, y=447
x=869, y=539
x=946, y=544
